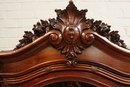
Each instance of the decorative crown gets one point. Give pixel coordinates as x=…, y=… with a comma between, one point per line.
x=71, y=31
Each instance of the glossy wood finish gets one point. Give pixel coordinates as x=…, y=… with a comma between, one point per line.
x=69, y=48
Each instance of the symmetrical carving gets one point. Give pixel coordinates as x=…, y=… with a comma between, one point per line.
x=71, y=31
x=121, y=77
x=71, y=63
x=71, y=23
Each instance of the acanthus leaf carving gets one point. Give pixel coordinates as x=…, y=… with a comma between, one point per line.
x=71, y=32
x=72, y=25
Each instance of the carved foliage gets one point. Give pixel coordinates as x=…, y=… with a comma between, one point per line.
x=71, y=31
x=73, y=26
x=38, y=30
x=104, y=30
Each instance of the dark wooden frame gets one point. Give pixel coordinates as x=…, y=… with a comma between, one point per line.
x=68, y=48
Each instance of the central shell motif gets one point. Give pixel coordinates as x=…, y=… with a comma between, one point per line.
x=72, y=33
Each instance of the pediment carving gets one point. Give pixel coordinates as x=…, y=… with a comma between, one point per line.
x=69, y=51
x=71, y=31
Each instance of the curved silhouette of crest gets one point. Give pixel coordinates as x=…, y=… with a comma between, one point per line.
x=71, y=32
x=72, y=25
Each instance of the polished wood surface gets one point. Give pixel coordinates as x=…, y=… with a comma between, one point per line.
x=68, y=51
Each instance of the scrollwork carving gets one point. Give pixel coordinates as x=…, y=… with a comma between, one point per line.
x=73, y=26
x=71, y=31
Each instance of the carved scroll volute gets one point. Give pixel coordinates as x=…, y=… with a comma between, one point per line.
x=73, y=34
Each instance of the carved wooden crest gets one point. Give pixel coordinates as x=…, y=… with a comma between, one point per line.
x=71, y=32
x=72, y=25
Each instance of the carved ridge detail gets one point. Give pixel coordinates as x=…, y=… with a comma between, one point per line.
x=61, y=66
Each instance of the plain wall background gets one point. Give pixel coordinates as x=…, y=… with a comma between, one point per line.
x=17, y=16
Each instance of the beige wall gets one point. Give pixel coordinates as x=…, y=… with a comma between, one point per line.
x=16, y=16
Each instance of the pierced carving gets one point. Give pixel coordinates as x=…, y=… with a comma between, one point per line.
x=104, y=30
x=38, y=30
x=71, y=31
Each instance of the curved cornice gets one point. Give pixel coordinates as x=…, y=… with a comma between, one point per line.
x=111, y=49
x=71, y=22
x=26, y=51
x=100, y=42
x=70, y=33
